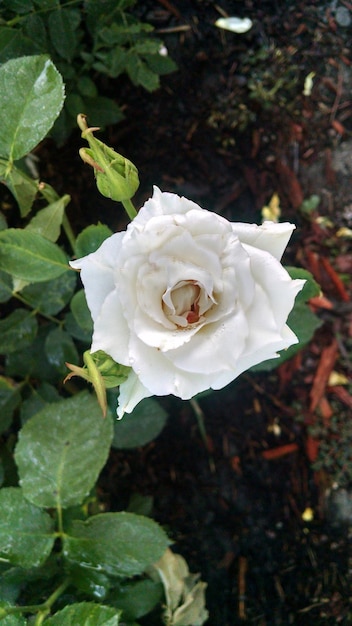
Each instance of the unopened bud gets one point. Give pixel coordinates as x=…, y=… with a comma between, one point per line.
x=116, y=176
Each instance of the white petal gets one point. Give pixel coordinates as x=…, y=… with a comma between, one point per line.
x=97, y=272
x=163, y=203
x=215, y=348
x=183, y=250
x=159, y=338
x=270, y=236
x=161, y=377
x=277, y=284
x=151, y=285
x=260, y=354
x=111, y=332
x=237, y=25
x=131, y=393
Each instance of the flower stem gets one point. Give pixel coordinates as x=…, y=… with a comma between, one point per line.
x=203, y=433
x=42, y=609
x=129, y=208
x=35, y=311
x=51, y=196
x=69, y=232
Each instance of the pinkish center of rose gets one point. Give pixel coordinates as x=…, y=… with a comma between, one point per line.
x=181, y=304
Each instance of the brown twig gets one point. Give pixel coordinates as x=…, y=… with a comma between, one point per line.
x=242, y=570
x=171, y=8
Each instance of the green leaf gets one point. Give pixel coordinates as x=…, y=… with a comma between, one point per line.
x=112, y=63
x=17, y=331
x=142, y=505
x=90, y=582
x=140, y=74
x=34, y=28
x=309, y=205
x=147, y=46
x=32, y=361
x=9, y=589
x=14, y=579
x=28, y=86
x=161, y=64
x=301, y=320
x=51, y=296
x=74, y=104
x=99, y=13
x=13, y=44
x=103, y=110
x=136, y=598
x=75, y=330
x=29, y=256
x=26, y=532
x=144, y=424
x=60, y=348
x=9, y=400
x=62, y=28
x=3, y=222
x=5, y=286
x=19, y=6
x=87, y=87
x=85, y=614
x=81, y=313
x=91, y=238
x=23, y=188
x=62, y=450
x=62, y=128
x=46, y=4
x=304, y=323
x=38, y=399
x=47, y=222
x=120, y=544
x=311, y=287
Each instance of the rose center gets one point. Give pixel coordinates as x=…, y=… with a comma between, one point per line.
x=185, y=300
x=181, y=303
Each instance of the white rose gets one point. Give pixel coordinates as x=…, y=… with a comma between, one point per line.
x=188, y=299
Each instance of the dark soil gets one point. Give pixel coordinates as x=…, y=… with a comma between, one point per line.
x=235, y=509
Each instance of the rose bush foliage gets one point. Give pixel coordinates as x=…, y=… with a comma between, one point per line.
x=188, y=299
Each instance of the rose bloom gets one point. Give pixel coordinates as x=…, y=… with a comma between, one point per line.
x=188, y=299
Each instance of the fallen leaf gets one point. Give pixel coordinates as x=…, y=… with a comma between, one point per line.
x=327, y=361
x=343, y=395
x=290, y=184
x=276, y=453
x=340, y=129
x=320, y=302
x=312, y=448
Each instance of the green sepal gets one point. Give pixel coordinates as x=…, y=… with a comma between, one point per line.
x=102, y=372
x=113, y=373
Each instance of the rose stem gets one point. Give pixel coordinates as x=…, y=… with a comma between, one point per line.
x=203, y=433
x=129, y=208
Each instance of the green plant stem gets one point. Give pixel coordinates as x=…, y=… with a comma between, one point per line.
x=69, y=232
x=20, y=18
x=50, y=196
x=42, y=609
x=60, y=526
x=203, y=433
x=23, y=300
x=129, y=208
